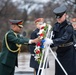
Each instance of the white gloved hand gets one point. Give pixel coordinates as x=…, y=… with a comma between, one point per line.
x=75, y=45
x=48, y=41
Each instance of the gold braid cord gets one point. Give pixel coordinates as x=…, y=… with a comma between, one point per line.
x=18, y=45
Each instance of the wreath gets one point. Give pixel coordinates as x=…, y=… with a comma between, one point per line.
x=43, y=33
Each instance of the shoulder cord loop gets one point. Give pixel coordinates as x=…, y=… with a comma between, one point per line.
x=18, y=45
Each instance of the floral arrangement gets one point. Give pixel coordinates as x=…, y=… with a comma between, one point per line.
x=39, y=46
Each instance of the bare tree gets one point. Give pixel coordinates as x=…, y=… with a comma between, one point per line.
x=7, y=11
x=24, y=16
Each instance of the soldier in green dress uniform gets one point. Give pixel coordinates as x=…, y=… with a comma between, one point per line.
x=11, y=46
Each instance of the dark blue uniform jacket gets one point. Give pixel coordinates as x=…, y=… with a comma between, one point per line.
x=33, y=62
x=63, y=34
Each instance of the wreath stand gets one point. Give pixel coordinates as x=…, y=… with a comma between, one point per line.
x=43, y=62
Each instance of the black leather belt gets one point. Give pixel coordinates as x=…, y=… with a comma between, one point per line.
x=67, y=44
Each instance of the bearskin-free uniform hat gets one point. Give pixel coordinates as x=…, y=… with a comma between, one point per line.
x=39, y=20
x=17, y=22
x=59, y=11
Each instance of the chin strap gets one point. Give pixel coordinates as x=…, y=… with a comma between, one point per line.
x=18, y=45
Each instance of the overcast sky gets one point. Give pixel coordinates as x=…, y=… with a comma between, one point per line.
x=35, y=0
x=40, y=6
x=34, y=6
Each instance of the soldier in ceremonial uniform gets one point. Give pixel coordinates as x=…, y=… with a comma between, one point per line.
x=33, y=63
x=11, y=46
x=63, y=39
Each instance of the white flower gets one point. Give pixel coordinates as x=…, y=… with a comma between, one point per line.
x=41, y=37
x=37, y=56
x=41, y=30
x=43, y=25
x=36, y=48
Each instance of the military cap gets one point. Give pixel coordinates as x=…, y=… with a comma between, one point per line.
x=39, y=21
x=59, y=11
x=17, y=22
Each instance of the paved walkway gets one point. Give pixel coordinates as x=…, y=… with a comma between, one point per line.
x=24, y=69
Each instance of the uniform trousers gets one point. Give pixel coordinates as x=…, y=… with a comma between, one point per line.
x=37, y=71
x=6, y=70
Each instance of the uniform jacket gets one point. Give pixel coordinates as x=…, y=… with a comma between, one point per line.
x=7, y=57
x=63, y=34
x=33, y=62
